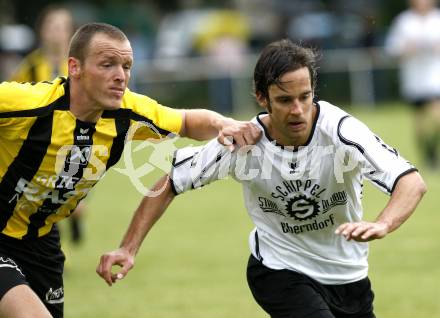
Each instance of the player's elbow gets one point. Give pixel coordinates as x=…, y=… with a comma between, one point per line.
x=418, y=184
x=412, y=184
x=422, y=187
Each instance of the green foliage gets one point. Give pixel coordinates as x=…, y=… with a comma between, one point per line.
x=193, y=262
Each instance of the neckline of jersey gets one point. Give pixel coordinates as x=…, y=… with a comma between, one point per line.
x=284, y=147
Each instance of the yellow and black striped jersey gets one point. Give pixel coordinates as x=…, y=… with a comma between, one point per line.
x=49, y=159
x=35, y=67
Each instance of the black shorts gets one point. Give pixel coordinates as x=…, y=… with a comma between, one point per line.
x=288, y=294
x=38, y=263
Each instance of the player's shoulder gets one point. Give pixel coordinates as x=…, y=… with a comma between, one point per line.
x=406, y=15
x=404, y=20
x=201, y=156
x=137, y=102
x=410, y=18
x=146, y=109
x=353, y=131
x=436, y=14
x=329, y=116
x=257, y=120
x=329, y=109
x=339, y=125
x=36, y=56
x=16, y=96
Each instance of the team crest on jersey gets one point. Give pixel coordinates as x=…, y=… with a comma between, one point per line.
x=302, y=208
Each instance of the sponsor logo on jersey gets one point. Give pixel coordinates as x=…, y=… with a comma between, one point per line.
x=80, y=137
x=84, y=131
x=284, y=190
x=338, y=198
x=84, y=134
x=269, y=206
x=27, y=193
x=293, y=167
x=316, y=225
x=304, y=201
x=80, y=155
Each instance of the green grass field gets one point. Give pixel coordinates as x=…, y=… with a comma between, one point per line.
x=193, y=262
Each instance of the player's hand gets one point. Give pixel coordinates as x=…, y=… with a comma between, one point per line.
x=240, y=133
x=120, y=257
x=363, y=231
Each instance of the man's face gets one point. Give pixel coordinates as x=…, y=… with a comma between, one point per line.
x=56, y=30
x=290, y=107
x=422, y=6
x=105, y=71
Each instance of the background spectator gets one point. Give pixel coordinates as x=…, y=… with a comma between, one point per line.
x=414, y=39
x=49, y=59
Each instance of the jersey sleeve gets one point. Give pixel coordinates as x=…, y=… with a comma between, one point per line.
x=20, y=96
x=195, y=167
x=379, y=163
x=152, y=119
x=26, y=100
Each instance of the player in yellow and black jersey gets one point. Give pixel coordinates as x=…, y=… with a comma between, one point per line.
x=56, y=141
x=54, y=27
x=50, y=159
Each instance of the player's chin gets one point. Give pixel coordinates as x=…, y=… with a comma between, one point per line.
x=113, y=103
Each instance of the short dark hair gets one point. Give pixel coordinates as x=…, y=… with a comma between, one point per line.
x=278, y=58
x=80, y=41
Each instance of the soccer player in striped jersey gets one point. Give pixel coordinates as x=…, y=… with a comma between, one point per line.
x=302, y=186
x=55, y=27
x=57, y=139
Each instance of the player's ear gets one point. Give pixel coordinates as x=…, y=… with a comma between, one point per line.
x=261, y=100
x=74, y=67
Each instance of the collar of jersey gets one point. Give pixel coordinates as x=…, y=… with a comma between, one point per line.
x=274, y=142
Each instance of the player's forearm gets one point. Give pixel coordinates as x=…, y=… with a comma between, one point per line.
x=202, y=124
x=404, y=200
x=149, y=211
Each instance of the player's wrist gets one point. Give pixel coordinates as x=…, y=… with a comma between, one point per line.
x=386, y=225
x=221, y=122
x=128, y=250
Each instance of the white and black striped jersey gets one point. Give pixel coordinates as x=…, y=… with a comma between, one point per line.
x=298, y=197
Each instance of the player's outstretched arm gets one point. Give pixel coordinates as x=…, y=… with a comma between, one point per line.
x=404, y=200
x=149, y=211
x=202, y=124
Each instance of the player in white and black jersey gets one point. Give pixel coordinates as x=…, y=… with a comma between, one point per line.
x=302, y=185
